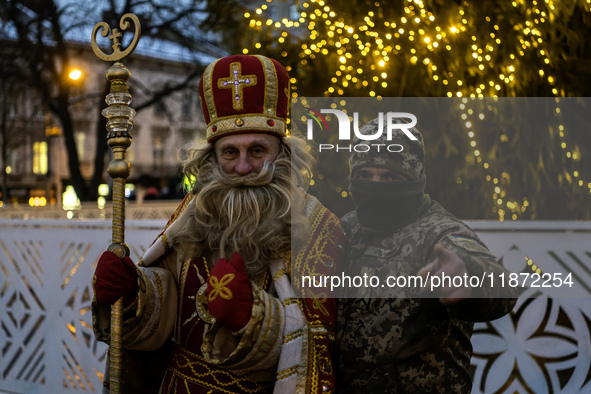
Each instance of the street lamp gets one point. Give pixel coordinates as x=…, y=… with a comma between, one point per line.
x=75, y=74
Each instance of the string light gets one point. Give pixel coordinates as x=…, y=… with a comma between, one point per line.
x=418, y=35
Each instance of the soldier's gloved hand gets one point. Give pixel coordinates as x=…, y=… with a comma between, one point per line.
x=447, y=263
x=115, y=278
x=229, y=295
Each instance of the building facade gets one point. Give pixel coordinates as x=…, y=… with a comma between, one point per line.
x=34, y=155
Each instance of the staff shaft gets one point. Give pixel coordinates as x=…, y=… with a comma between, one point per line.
x=118, y=239
x=119, y=125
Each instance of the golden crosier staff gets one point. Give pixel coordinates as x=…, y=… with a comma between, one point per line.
x=119, y=124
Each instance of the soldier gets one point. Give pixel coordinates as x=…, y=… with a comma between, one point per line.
x=401, y=342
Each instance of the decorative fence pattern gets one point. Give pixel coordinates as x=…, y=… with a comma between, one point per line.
x=46, y=266
x=544, y=345
x=47, y=345
x=150, y=210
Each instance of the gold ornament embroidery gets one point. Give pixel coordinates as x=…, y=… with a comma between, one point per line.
x=219, y=287
x=201, y=302
x=201, y=297
x=318, y=301
x=164, y=240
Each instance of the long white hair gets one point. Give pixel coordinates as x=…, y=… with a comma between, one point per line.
x=257, y=215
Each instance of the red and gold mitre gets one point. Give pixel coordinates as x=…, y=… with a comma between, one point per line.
x=244, y=94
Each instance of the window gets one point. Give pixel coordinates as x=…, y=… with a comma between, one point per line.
x=80, y=139
x=158, y=153
x=13, y=164
x=40, y=157
x=159, y=135
x=186, y=106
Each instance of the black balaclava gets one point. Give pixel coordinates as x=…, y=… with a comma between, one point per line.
x=388, y=206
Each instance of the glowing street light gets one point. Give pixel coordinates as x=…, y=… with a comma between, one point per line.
x=75, y=74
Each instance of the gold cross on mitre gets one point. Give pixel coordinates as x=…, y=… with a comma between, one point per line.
x=237, y=82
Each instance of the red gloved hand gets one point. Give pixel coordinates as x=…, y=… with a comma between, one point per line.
x=115, y=278
x=228, y=292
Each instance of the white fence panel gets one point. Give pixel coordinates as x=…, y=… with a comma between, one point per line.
x=47, y=345
x=46, y=268
x=544, y=345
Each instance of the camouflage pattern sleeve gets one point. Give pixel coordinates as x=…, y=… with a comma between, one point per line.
x=488, y=301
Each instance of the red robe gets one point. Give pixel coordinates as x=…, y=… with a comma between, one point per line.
x=286, y=347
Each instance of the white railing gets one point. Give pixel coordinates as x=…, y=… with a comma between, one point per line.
x=47, y=345
x=46, y=270
x=146, y=210
x=544, y=345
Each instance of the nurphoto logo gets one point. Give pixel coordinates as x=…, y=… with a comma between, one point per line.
x=345, y=130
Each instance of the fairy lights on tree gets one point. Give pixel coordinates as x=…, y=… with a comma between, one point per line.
x=426, y=48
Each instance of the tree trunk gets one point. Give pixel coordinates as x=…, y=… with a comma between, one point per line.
x=101, y=149
x=76, y=179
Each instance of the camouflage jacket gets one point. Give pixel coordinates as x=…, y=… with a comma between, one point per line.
x=397, y=343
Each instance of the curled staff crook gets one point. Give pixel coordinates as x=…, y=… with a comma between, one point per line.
x=114, y=36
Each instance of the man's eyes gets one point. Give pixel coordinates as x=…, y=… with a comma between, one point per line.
x=229, y=153
x=232, y=153
x=258, y=151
